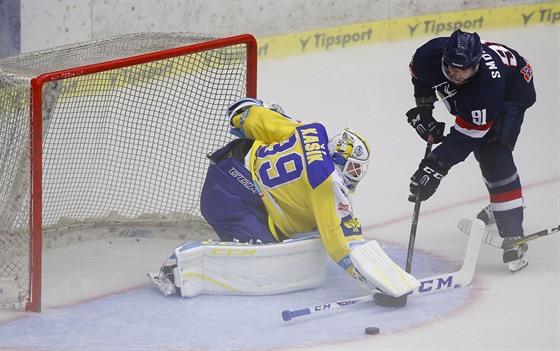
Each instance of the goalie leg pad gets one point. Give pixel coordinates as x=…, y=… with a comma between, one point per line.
x=379, y=270
x=231, y=268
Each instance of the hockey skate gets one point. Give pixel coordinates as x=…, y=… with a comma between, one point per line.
x=486, y=215
x=515, y=257
x=165, y=280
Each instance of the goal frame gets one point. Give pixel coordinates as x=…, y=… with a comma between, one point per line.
x=36, y=134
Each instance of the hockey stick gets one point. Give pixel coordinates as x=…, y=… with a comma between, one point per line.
x=416, y=214
x=288, y=315
x=430, y=285
x=385, y=300
x=506, y=243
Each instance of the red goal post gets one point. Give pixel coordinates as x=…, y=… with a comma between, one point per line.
x=107, y=132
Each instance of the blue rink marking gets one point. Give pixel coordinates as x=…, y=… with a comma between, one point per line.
x=144, y=319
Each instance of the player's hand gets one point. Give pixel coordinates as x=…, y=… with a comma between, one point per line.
x=421, y=119
x=425, y=181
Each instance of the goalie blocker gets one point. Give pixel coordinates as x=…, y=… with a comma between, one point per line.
x=230, y=268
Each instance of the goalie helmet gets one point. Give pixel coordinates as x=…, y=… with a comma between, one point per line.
x=462, y=51
x=350, y=153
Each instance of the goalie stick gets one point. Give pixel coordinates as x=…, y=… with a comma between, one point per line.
x=505, y=243
x=430, y=285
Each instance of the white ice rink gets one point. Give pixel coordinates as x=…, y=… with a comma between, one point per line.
x=96, y=295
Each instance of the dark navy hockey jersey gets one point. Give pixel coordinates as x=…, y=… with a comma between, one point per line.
x=503, y=76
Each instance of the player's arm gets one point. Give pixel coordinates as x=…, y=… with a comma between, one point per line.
x=424, y=94
x=264, y=124
x=341, y=233
x=421, y=117
x=339, y=229
x=471, y=125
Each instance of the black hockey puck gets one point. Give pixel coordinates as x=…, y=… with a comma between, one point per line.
x=372, y=330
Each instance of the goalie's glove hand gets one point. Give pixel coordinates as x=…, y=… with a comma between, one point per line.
x=421, y=119
x=425, y=181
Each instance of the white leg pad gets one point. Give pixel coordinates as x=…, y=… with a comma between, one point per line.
x=230, y=268
x=380, y=271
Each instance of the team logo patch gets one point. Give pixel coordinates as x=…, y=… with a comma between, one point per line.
x=527, y=72
x=351, y=227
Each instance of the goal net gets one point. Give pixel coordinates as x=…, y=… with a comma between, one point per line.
x=108, y=132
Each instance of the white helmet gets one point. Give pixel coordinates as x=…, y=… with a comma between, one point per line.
x=350, y=153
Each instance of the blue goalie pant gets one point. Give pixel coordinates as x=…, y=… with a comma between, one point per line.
x=229, y=201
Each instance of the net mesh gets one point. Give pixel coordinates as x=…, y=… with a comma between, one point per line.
x=122, y=145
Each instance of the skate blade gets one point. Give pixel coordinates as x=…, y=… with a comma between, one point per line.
x=514, y=268
x=163, y=284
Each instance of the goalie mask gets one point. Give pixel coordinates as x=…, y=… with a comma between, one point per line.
x=350, y=153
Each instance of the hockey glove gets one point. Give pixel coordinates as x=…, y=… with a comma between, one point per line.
x=425, y=181
x=421, y=119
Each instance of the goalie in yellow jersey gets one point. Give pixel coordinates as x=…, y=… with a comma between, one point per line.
x=290, y=179
x=281, y=178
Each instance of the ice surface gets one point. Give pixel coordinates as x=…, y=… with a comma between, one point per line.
x=96, y=295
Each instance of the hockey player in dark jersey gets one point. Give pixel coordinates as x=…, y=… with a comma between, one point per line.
x=487, y=87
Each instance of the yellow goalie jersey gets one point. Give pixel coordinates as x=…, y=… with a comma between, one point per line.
x=291, y=164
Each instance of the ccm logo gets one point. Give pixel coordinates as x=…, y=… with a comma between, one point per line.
x=436, y=174
x=438, y=284
x=343, y=207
